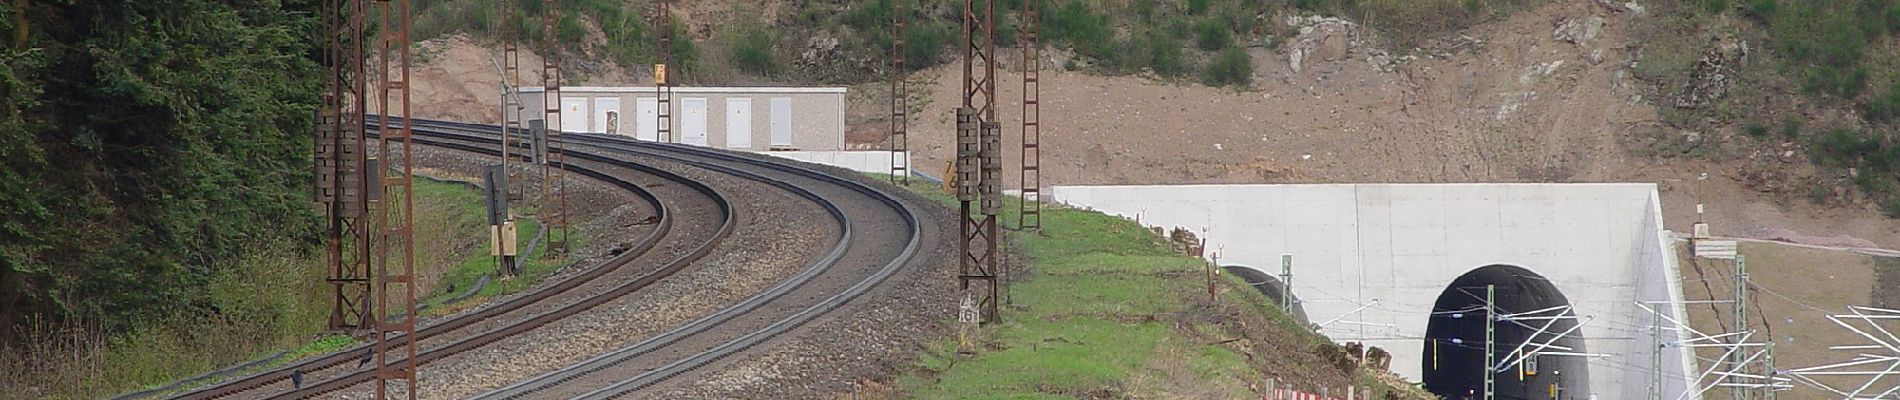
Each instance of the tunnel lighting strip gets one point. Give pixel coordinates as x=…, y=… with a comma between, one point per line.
x=1884, y=341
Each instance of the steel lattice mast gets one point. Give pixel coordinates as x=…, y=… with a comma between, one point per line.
x=553, y=169
x=900, y=98
x=395, y=332
x=977, y=162
x=1029, y=211
x=341, y=159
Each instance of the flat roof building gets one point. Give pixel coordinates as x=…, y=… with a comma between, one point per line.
x=736, y=118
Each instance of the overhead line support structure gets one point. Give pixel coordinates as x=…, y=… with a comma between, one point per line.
x=978, y=169
x=553, y=167
x=1029, y=210
x=662, y=81
x=342, y=164
x=900, y=98
x=395, y=333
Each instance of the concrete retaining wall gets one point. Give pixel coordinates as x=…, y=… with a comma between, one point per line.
x=877, y=161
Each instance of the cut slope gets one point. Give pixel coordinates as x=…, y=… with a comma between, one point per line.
x=1104, y=309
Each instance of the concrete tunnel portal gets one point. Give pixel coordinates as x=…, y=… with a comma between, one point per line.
x=1370, y=262
x=1453, y=365
x=1270, y=286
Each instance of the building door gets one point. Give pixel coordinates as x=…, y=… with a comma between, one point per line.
x=694, y=123
x=573, y=114
x=648, y=110
x=607, y=115
x=781, y=122
x=739, y=123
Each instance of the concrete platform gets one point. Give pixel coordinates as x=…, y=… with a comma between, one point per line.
x=1374, y=259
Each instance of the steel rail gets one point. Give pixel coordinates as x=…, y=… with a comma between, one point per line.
x=726, y=227
x=663, y=228
x=784, y=325
x=611, y=359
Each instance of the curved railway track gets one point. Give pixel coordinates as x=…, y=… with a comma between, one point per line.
x=868, y=251
x=335, y=371
x=826, y=284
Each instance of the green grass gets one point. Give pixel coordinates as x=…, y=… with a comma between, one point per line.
x=271, y=299
x=1103, y=308
x=323, y=345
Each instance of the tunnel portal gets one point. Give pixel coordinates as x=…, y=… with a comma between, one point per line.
x=1454, y=339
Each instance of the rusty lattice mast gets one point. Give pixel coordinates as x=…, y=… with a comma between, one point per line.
x=395, y=333
x=663, y=84
x=553, y=169
x=900, y=98
x=511, y=108
x=341, y=158
x=978, y=166
x=1029, y=215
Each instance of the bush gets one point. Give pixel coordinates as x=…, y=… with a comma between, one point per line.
x=1843, y=148
x=752, y=51
x=1231, y=67
x=1083, y=29
x=1763, y=9
x=924, y=41
x=1840, y=82
x=1886, y=106
x=1196, y=6
x=1211, y=34
x=569, y=29
x=1164, y=55
x=1755, y=130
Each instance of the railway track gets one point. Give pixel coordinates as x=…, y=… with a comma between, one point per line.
x=867, y=252
x=826, y=284
x=551, y=302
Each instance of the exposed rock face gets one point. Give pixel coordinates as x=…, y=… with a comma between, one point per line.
x=1710, y=80
x=1321, y=39
x=819, y=50
x=1579, y=31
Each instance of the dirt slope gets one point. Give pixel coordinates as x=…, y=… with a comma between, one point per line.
x=1544, y=96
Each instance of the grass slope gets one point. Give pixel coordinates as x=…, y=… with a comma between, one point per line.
x=275, y=300
x=1102, y=308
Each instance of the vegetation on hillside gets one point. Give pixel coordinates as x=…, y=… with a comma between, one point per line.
x=147, y=148
x=1833, y=56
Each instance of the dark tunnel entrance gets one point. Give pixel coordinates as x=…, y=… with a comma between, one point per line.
x=1269, y=285
x=1454, y=339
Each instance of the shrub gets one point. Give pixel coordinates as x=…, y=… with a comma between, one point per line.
x=1231, y=67
x=752, y=50
x=1790, y=129
x=1164, y=55
x=1145, y=9
x=569, y=29
x=1839, y=82
x=1886, y=106
x=924, y=41
x=1763, y=10
x=1843, y=148
x=1196, y=6
x=1755, y=130
x=1087, y=31
x=1210, y=34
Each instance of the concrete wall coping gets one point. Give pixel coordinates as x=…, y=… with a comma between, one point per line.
x=693, y=89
